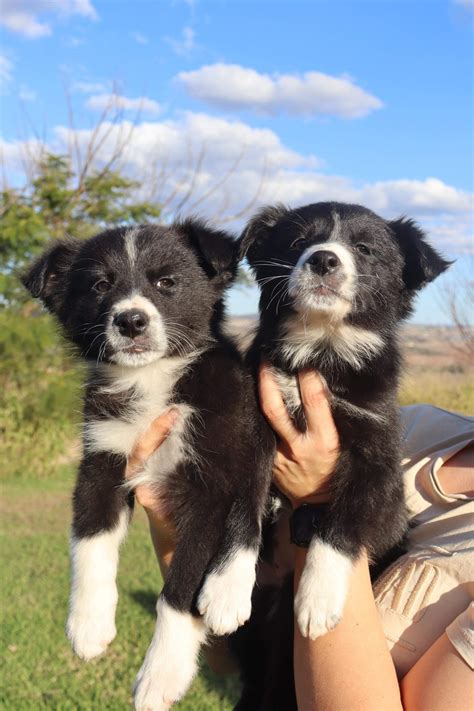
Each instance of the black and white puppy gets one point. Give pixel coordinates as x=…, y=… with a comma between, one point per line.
x=336, y=281
x=144, y=308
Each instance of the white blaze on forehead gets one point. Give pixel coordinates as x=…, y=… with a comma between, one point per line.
x=130, y=246
x=336, y=230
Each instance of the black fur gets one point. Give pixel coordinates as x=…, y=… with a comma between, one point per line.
x=392, y=261
x=214, y=497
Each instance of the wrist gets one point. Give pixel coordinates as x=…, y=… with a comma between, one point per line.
x=319, y=497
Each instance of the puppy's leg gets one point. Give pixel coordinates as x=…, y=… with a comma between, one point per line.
x=101, y=514
x=171, y=661
x=322, y=589
x=369, y=513
x=225, y=601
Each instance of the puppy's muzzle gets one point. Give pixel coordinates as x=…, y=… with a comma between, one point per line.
x=131, y=323
x=324, y=262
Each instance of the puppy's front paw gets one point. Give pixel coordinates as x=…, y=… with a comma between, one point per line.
x=225, y=601
x=317, y=614
x=322, y=590
x=91, y=623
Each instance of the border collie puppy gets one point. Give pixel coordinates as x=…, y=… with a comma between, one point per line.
x=336, y=281
x=144, y=308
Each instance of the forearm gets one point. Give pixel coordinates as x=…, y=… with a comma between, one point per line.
x=163, y=538
x=350, y=668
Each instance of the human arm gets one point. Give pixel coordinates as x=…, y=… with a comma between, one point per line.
x=162, y=532
x=350, y=667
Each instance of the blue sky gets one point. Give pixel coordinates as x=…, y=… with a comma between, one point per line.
x=367, y=101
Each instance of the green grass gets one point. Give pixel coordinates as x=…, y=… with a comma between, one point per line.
x=39, y=669
x=445, y=389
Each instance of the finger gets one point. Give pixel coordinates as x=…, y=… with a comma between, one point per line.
x=317, y=407
x=273, y=406
x=152, y=439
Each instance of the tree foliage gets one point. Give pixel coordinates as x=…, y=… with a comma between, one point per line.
x=56, y=203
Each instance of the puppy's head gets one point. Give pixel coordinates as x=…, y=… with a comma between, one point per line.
x=134, y=295
x=337, y=261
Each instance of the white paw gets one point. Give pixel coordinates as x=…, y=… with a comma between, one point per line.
x=223, y=610
x=91, y=622
x=322, y=590
x=317, y=615
x=171, y=661
x=225, y=601
x=160, y=682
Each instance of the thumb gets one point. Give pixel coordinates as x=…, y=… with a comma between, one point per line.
x=151, y=440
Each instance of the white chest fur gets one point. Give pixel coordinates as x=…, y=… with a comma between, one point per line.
x=152, y=386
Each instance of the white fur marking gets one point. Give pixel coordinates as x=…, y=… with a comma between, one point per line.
x=136, y=301
x=336, y=230
x=91, y=621
x=157, y=340
x=306, y=338
x=153, y=385
x=322, y=590
x=363, y=412
x=170, y=663
x=130, y=246
x=225, y=598
x=302, y=282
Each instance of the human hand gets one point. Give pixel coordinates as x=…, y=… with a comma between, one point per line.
x=163, y=534
x=305, y=461
x=144, y=448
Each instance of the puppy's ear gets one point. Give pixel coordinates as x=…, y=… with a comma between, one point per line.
x=46, y=279
x=422, y=262
x=217, y=250
x=253, y=239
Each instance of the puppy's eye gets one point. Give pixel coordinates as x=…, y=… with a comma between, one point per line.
x=299, y=243
x=164, y=283
x=363, y=249
x=102, y=286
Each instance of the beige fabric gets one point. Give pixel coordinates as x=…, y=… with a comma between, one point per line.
x=427, y=590
x=461, y=634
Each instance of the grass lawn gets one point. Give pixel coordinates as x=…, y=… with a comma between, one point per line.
x=39, y=669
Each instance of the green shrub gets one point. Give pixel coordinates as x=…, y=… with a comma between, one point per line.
x=40, y=392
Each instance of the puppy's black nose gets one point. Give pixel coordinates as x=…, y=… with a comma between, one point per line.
x=131, y=323
x=324, y=262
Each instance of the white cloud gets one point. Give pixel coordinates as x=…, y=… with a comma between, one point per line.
x=139, y=38
x=26, y=17
x=27, y=94
x=6, y=72
x=86, y=87
x=238, y=163
x=185, y=46
x=469, y=4
x=74, y=41
x=100, y=102
x=231, y=86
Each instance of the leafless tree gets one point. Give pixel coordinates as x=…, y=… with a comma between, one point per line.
x=457, y=302
x=172, y=183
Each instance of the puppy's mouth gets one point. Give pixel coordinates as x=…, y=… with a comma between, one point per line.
x=135, y=348
x=325, y=290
